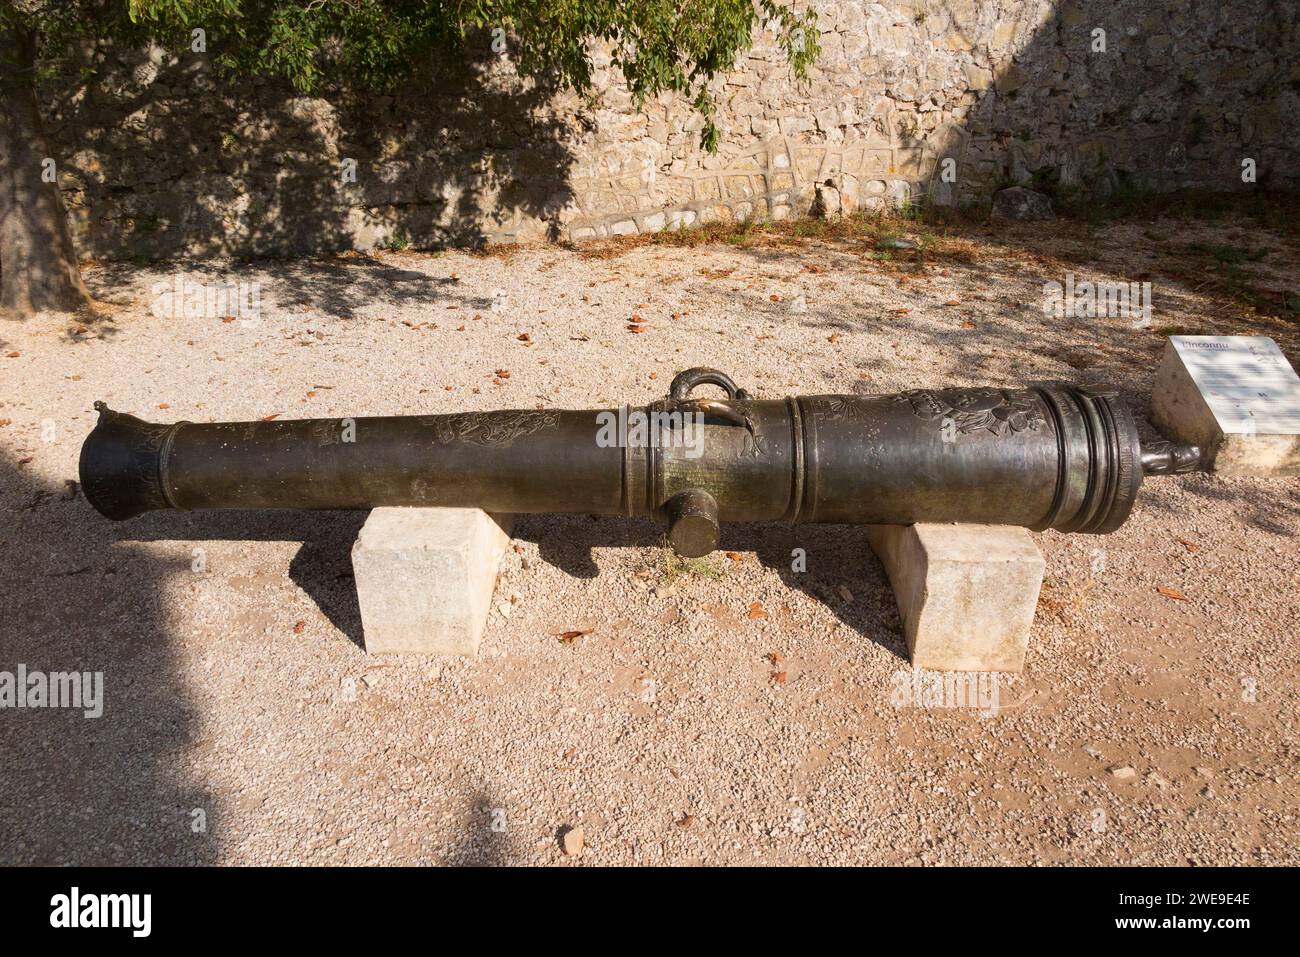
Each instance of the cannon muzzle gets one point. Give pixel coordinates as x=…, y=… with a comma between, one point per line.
x=1050, y=456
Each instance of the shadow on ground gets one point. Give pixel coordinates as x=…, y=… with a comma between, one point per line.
x=489, y=843
x=322, y=567
x=837, y=557
x=81, y=596
x=841, y=573
x=336, y=286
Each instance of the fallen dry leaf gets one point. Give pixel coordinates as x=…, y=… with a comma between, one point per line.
x=298, y=626
x=163, y=405
x=902, y=310
x=1173, y=593
x=833, y=337
x=967, y=324
x=524, y=337
x=568, y=637
x=273, y=415
x=774, y=297
x=1190, y=546
x=22, y=462
x=503, y=373
x=686, y=820
x=953, y=302
x=636, y=327
x=735, y=556
x=756, y=610
x=778, y=677
x=12, y=355
x=775, y=657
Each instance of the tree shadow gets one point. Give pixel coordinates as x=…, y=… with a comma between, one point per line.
x=166, y=162
x=107, y=790
x=464, y=155
x=336, y=286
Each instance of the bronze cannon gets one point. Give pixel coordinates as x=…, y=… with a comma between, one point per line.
x=1050, y=456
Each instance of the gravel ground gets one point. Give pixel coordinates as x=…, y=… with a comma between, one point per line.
x=243, y=724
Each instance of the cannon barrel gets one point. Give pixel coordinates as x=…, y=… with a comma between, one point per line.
x=1050, y=456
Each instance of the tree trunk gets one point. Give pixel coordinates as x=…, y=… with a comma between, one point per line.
x=38, y=263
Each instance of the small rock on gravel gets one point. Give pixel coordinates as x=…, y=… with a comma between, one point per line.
x=572, y=841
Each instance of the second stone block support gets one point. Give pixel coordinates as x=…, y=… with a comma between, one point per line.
x=966, y=593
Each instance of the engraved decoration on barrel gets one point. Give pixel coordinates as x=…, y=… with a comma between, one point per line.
x=493, y=430
x=999, y=411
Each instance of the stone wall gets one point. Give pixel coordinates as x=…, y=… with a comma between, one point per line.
x=941, y=101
